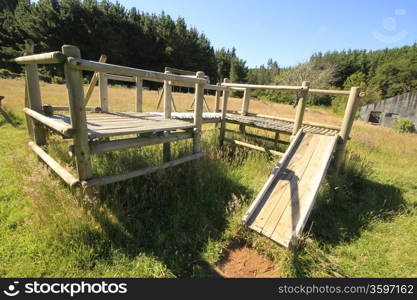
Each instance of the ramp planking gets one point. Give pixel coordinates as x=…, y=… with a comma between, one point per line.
x=282, y=207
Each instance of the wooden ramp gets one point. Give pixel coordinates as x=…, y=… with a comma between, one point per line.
x=282, y=207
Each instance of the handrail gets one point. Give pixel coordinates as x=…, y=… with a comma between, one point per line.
x=82, y=64
x=55, y=57
x=264, y=87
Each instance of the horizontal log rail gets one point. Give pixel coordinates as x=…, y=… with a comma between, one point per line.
x=64, y=129
x=121, y=78
x=55, y=57
x=255, y=147
x=50, y=109
x=88, y=65
x=140, y=172
x=263, y=87
x=54, y=165
x=99, y=147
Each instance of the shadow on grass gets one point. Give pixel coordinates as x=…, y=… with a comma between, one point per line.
x=7, y=117
x=346, y=206
x=170, y=214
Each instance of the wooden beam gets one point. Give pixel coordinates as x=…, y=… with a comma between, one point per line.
x=50, y=109
x=93, y=81
x=55, y=57
x=328, y=92
x=54, y=165
x=299, y=114
x=106, y=146
x=103, y=92
x=82, y=64
x=63, y=129
x=35, y=101
x=264, y=87
x=217, y=100
x=136, y=173
x=139, y=95
x=224, y=112
x=245, y=102
x=179, y=71
x=347, y=123
x=198, y=113
x=255, y=147
x=166, y=147
x=121, y=78
x=78, y=117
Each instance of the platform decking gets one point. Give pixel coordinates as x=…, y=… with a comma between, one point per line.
x=276, y=125
x=125, y=123
x=283, y=205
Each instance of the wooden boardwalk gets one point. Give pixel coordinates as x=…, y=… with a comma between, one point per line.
x=282, y=207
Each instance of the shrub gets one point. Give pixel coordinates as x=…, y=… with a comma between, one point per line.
x=404, y=125
x=57, y=79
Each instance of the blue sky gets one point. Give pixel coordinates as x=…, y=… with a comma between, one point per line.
x=290, y=31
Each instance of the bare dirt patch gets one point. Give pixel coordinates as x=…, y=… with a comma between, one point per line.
x=245, y=262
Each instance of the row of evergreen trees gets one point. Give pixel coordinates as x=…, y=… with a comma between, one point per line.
x=127, y=37
x=149, y=41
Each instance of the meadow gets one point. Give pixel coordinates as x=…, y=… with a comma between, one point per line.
x=180, y=222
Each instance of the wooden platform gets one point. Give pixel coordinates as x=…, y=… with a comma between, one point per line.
x=125, y=123
x=282, y=207
x=276, y=125
x=208, y=117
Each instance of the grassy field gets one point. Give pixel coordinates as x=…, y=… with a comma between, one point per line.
x=178, y=223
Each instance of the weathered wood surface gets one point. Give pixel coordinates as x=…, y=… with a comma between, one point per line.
x=55, y=57
x=284, y=204
x=255, y=147
x=276, y=125
x=93, y=81
x=54, y=165
x=117, y=124
x=62, y=128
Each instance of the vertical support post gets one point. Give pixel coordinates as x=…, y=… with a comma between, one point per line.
x=299, y=114
x=78, y=118
x=167, y=98
x=103, y=91
x=167, y=91
x=139, y=89
x=224, y=112
x=347, y=123
x=198, y=112
x=29, y=47
x=245, y=102
x=93, y=81
x=217, y=100
x=34, y=100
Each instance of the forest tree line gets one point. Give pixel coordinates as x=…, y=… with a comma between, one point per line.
x=134, y=38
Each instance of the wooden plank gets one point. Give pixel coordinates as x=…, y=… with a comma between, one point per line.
x=103, y=92
x=297, y=211
x=263, y=87
x=257, y=204
x=136, y=173
x=270, y=211
x=139, y=96
x=245, y=101
x=121, y=78
x=198, y=113
x=255, y=147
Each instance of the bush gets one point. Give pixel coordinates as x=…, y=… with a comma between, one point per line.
x=404, y=125
x=57, y=79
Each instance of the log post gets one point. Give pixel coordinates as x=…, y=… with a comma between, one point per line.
x=217, y=100
x=224, y=112
x=245, y=102
x=347, y=123
x=29, y=47
x=167, y=91
x=93, y=81
x=34, y=100
x=299, y=114
x=76, y=98
x=167, y=97
x=198, y=112
x=139, y=89
x=103, y=92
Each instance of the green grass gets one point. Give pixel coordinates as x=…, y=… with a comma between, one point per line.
x=177, y=223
